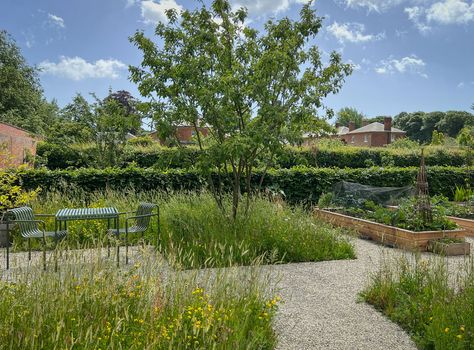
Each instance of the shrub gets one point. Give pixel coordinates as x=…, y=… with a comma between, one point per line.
x=325, y=154
x=298, y=184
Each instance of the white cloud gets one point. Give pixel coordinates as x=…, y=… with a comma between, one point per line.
x=261, y=7
x=373, y=5
x=76, y=68
x=155, y=11
x=352, y=32
x=451, y=12
x=409, y=64
x=416, y=14
x=56, y=21
x=354, y=65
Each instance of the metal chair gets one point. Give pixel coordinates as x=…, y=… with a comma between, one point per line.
x=29, y=228
x=138, y=223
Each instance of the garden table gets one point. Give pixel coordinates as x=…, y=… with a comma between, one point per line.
x=108, y=213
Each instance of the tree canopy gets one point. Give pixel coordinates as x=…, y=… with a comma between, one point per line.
x=254, y=91
x=347, y=115
x=21, y=98
x=420, y=125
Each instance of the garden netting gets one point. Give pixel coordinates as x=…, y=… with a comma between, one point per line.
x=351, y=194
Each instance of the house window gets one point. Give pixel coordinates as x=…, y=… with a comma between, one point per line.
x=352, y=139
x=193, y=133
x=366, y=138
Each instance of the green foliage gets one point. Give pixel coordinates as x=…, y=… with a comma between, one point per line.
x=198, y=235
x=11, y=193
x=420, y=125
x=403, y=143
x=327, y=153
x=94, y=305
x=463, y=193
x=420, y=296
x=254, y=90
x=143, y=141
x=438, y=138
x=325, y=200
x=21, y=98
x=299, y=185
x=406, y=216
x=347, y=115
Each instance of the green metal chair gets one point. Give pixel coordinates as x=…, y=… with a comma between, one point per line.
x=138, y=223
x=30, y=228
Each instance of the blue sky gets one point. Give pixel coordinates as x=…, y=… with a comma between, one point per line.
x=408, y=55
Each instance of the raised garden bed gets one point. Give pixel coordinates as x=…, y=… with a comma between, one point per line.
x=449, y=247
x=466, y=224
x=388, y=235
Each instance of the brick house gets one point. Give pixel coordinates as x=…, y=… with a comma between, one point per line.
x=19, y=143
x=371, y=135
x=184, y=133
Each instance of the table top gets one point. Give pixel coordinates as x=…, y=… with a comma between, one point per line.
x=87, y=213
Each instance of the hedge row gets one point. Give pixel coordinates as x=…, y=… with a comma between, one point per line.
x=55, y=157
x=298, y=184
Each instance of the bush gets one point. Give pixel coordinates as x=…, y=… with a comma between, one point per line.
x=299, y=185
x=326, y=154
x=420, y=296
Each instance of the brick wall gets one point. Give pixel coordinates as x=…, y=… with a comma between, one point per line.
x=18, y=143
x=185, y=134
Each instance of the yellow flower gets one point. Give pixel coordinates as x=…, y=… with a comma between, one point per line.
x=446, y=330
x=461, y=328
x=459, y=336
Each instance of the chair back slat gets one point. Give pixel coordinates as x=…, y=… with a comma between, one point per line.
x=25, y=213
x=144, y=209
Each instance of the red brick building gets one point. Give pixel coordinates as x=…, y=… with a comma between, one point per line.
x=185, y=134
x=19, y=144
x=371, y=135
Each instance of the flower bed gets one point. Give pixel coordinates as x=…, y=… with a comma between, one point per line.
x=388, y=235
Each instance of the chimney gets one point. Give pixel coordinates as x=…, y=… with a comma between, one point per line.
x=351, y=126
x=387, y=123
x=365, y=122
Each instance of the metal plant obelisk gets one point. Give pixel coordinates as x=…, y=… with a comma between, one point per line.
x=423, y=205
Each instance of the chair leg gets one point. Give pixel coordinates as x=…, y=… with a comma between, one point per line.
x=44, y=254
x=126, y=247
x=29, y=248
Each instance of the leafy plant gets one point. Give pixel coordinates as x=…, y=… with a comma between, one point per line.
x=255, y=91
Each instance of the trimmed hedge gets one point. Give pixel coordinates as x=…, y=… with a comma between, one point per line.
x=186, y=158
x=298, y=184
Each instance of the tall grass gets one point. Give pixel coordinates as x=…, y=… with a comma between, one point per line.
x=94, y=305
x=434, y=305
x=198, y=234
x=195, y=233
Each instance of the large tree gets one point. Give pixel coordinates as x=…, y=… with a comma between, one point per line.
x=254, y=91
x=21, y=97
x=347, y=115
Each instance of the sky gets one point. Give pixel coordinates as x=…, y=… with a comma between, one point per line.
x=408, y=55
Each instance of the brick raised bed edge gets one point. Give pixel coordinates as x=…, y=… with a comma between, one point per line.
x=388, y=235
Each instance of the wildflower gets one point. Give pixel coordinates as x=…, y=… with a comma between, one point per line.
x=446, y=330
x=461, y=328
x=459, y=336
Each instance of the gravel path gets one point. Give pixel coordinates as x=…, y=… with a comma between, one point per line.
x=320, y=308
